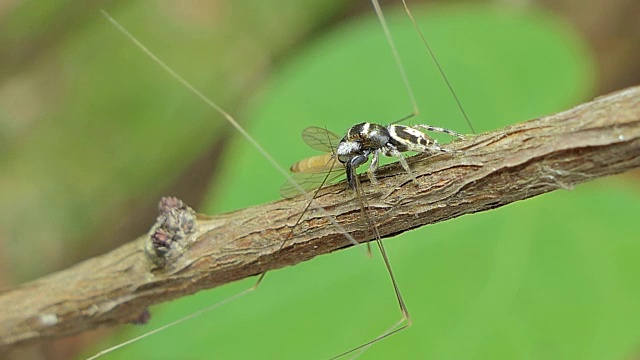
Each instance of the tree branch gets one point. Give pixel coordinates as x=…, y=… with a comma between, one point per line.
x=185, y=252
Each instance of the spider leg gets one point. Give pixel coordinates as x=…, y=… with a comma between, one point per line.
x=375, y=161
x=438, y=129
x=393, y=151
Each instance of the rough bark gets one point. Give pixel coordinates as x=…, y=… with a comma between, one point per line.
x=593, y=140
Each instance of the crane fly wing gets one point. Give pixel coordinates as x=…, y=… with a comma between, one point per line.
x=321, y=139
x=312, y=173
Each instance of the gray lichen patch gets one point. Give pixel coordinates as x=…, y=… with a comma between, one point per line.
x=169, y=235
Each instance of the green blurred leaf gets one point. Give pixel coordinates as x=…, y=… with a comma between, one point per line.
x=552, y=277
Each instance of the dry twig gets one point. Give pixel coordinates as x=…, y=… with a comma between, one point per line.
x=592, y=140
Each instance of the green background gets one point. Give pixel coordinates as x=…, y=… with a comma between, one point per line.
x=552, y=277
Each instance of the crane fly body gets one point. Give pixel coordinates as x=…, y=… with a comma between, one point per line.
x=316, y=164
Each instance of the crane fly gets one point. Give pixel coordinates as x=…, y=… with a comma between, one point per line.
x=362, y=142
x=344, y=156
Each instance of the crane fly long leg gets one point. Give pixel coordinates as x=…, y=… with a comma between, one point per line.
x=438, y=66
x=231, y=120
x=405, y=317
x=398, y=326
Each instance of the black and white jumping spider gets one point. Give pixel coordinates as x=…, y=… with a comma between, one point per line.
x=354, y=149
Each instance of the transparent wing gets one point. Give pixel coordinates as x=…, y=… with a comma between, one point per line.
x=321, y=139
x=311, y=181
